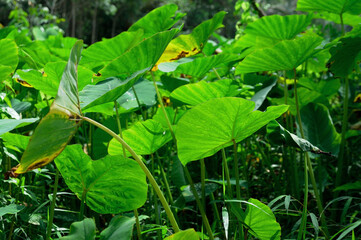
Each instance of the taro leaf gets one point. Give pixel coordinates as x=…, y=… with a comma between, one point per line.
x=189, y=234
x=319, y=128
x=56, y=129
x=349, y=186
x=48, y=82
x=279, y=135
x=9, y=58
x=99, y=54
x=213, y=125
x=107, y=91
x=7, y=125
x=327, y=87
x=36, y=54
x=120, y=228
x=261, y=95
x=187, y=193
x=345, y=57
x=348, y=19
x=158, y=20
x=200, y=66
x=145, y=92
x=15, y=141
x=279, y=27
x=142, y=56
x=11, y=209
x=191, y=44
x=83, y=230
x=50, y=137
x=112, y=184
x=261, y=221
x=333, y=6
x=173, y=116
x=285, y=55
x=202, y=91
x=144, y=137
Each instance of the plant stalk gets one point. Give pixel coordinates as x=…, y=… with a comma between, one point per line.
x=52, y=206
x=81, y=212
x=236, y=171
x=145, y=170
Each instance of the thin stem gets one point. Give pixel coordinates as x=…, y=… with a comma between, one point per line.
x=140, y=107
x=139, y=231
x=203, y=181
x=165, y=180
x=342, y=25
x=145, y=170
x=155, y=202
x=162, y=107
x=81, y=212
x=309, y=166
x=225, y=165
x=52, y=206
x=302, y=231
x=200, y=206
x=236, y=170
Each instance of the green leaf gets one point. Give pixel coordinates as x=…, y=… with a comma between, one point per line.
x=83, y=230
x=327, y=87
x=200, y=66
x=142, y=56
x=192, y=44
x=215, y=124
x=189, y=234
x=345, y=56
x=67, y=96
x=349, y=186
x=120, y=228
x=57, y=128
x=99, y=54
x=261, y=221
x=9, y=58
x=279, y=27
x=112, y=184
x=333, y=6
x=279, y=135
x=348, y=19
x=107, y=91
x=173, y=116
x=15, y=141
x=11, y=209
x=7, y=125
x=319, y=128
x=144, y=138
x=203, y=91
x=158, y=20
x=286, y=55
x=261, y=95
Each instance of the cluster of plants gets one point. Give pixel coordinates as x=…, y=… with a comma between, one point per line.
x=162, y=135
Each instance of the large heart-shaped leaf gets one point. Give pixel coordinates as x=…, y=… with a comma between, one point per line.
x=203, y=91
x=333, y=6
x=83, y=230
x=144, y=137
x=286, y=55
x=259, y=219
x=213, y=125
x=120, y=228
x=9, y=58
x=189, y=234
x=107, y=91
x=191, y=44
x=112, y=184
x=99, y=54
x=319, y=128
x=142, y=56
x=346, y=56
x=158, y=20
x=57, y=128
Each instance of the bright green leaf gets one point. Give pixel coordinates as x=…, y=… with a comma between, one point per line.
x=333, y=6
x=213, y=125
x=120, y=228
x=112, y=184
x=188, y=234
x=7, y=125
x=9, y=58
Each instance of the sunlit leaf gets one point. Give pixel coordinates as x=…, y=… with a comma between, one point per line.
x=191, y=44
x=215, y=124
x=11, y=209
x=333, y=6
x=188, y=234
x=158, y=20
x=144, y=137
x=203, y=91
x=286, y=55
x=112, y=184
x=7, y=125
x=9, y=58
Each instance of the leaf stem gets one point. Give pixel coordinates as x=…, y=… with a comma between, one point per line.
x=236, y=170
x=52, y=206
x=144, y=168
x=81, y=212
x=225, y=165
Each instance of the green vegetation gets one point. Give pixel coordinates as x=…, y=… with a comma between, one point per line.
x=161, y=134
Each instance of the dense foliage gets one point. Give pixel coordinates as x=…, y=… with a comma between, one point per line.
x=157, y=134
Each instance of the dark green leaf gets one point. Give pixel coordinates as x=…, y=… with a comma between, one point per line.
x=7, y=125
x=120, y=228
x=83, y=230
